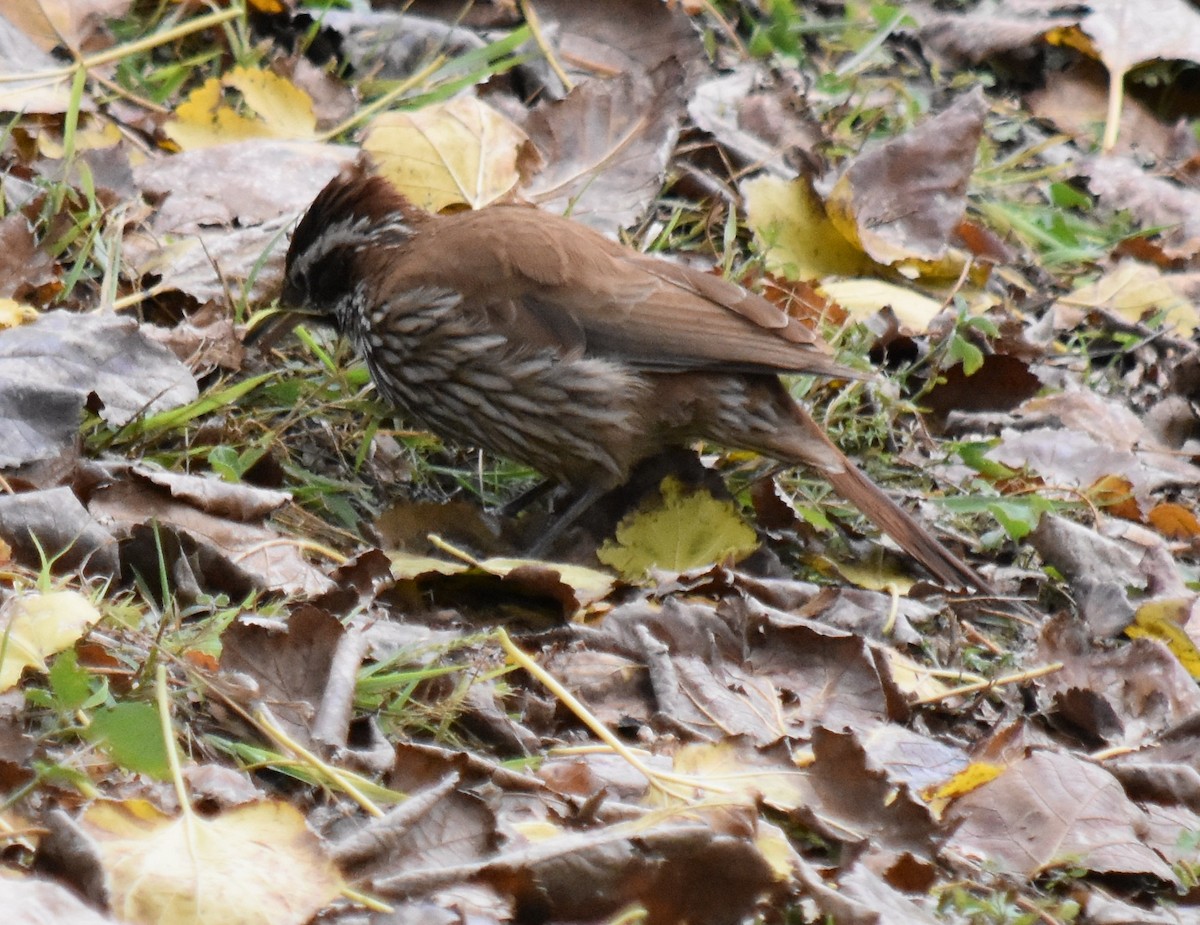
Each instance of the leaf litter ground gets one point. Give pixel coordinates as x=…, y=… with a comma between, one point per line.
x=725, y=703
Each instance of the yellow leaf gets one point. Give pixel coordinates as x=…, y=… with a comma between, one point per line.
x=282, y=106
x=36, y=626
x=274, y=108
x=862, y=298
x=253, y=865
x=912, y=677
x=970, y=778
x=1136, y=290
x=800, y=241
x=875, y=573
x=687, y=530
x=720, y=763
x=1163, y=620
x=461, y=151
x=776, y=848
x=94, y=133
x=14, y=313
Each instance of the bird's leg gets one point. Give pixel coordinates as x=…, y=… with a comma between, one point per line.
x=577, y=509
x=527, y=497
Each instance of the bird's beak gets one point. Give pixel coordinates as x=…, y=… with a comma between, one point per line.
x=267, y=327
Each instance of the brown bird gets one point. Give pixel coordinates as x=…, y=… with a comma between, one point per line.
x=533, y=337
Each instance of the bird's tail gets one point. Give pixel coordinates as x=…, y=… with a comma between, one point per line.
x=811, y=447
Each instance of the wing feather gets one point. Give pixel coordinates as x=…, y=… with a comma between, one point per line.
x=605, y=299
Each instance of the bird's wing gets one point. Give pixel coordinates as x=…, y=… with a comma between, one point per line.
x=556, y=282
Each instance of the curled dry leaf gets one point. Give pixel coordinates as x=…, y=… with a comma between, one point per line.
x=55, y=523
x=903, y=199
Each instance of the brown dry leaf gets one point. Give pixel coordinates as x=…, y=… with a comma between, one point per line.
x=823, y=677
x=253, y=865
x=611, y=37
x=606, y=147
x=1001, y=383
x=289, y=663
x=74, y=23
x=209, y=547
x=462, y=151
x=24, y=265
x=982, y=31
x=757, y=119
x=1154, y=201
x=223, y=212
x=276, y=109
x=704, y=870
x=54, y=522
x=921, y=761
x=442, y=823
x=852, y=800
x=866, y=897
x=1054, y=810
x=1122, y=697
x=36, y=626
x=901, y=201
x=31, y=901
x=1068, y=457
x=48, y=369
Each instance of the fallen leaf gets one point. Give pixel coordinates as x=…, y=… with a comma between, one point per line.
x=862, y=298
x=462, y=151
x=252, y=865
x=38, y=625
x=1136, y=292
x=606, y=147
x=277, y=109
x=1163, y=620
x=901, y=200
x=685, y=531
x=792, y=228
x=49, y=367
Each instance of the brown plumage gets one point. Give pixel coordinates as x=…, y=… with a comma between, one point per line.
x=535, y=338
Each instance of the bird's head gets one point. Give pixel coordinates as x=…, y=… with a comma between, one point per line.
x=355, y=218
